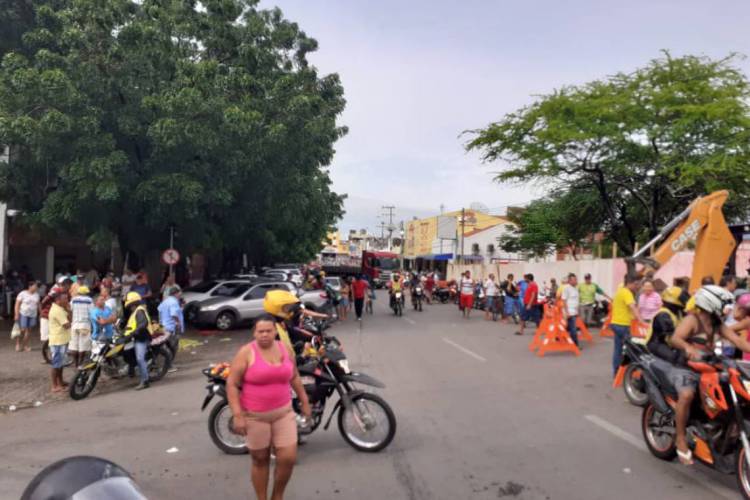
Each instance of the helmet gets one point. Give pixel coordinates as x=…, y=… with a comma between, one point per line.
x=132, y=298
x=280, y=303
x=743, y=301
x=672, y=296
x=713, y=299
x=84, y=478
x=322, y=274
x=83, y=290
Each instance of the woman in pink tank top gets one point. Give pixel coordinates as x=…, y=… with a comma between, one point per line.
x=258, y=392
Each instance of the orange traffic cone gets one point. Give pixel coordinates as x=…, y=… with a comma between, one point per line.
x=556, y=338
x=638, y=330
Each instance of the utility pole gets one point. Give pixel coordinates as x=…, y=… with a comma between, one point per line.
x=463, y=222
x=390, y=209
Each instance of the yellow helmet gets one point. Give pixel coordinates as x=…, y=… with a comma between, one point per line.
x=322, y=274
x=672, y=296
x=279, y=303
x=83, y=290
x=132, y=298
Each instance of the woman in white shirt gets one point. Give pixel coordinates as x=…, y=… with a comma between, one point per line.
x=492, y=292
x=26, y=314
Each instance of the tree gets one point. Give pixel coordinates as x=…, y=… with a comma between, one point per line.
x=647, y=142
x=133, y=116
x=563, y=220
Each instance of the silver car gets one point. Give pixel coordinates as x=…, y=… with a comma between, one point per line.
x=246, y=304
x=194, y=295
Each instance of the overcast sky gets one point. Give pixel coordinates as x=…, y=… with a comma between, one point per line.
x=416, y=73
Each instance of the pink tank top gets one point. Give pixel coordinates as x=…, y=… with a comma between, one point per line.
x=266, y=387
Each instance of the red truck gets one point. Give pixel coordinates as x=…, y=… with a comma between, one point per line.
x=377, y=266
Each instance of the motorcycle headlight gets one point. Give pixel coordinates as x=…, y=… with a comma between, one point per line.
x=344, y=364
x=216, y=388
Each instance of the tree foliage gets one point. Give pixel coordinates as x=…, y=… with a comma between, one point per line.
x=646, y=142
x=131, y=116
x=563, y=220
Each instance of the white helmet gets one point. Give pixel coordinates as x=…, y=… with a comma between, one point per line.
x=713, y=299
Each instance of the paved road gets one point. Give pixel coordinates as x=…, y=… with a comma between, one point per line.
x=479, y=417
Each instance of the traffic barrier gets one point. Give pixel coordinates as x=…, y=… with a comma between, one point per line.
x=583, y=331
x=638, y=329
x=554, y=336
x=547, y=318
x=606, y=331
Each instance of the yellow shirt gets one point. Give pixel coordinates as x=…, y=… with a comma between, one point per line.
x=690, y=306
x=58, y=320
x=560, y=289
x=621, y=313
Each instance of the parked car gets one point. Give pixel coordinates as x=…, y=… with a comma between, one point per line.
x=334, y=282
x=194, y=295
x=246, y=304
x=294, y=274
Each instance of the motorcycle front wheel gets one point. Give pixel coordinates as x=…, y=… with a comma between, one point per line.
x=743, y=472
x=369, y=424
x=220, y=430
x=634, y=386
x=659, y=433
x=83, y=383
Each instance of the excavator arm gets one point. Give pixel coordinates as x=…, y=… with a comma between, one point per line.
x=702, y=222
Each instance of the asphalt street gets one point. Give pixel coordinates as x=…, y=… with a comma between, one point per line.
x=479, y=417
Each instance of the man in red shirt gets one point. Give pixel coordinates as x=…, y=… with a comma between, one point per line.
x=531, y=304
x=359, y=289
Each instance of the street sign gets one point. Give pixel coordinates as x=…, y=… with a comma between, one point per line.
x=170, y=256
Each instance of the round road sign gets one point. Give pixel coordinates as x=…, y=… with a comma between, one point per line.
x=170, y=256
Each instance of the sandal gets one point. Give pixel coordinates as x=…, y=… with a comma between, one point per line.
x=685, y=457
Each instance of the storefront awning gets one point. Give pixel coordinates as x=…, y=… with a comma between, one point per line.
x=436, y=256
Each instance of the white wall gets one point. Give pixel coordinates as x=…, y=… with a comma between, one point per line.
x=490, y=236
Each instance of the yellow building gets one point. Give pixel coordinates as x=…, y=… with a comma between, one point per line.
x=439, y=237
x=334, y=244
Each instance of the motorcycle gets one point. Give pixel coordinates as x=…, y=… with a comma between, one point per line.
x=366, y=421
x=717, y=430
x=117, y=357
x=416, y=297
x=629, y=374
x=442, y=294
x=397, y=303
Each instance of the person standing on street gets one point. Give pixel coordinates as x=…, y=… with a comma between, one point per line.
x=530, y=302
x=360, y=289
x=102, y=319
x=587, y=291
x=552, y=289
x=571, y=300
x=26, y=314
x=258, y=391
x=59, y=337
x=80, y=341
x=172, y=319
x=137, y=327
x=127, y=281
x=510, y=302
x=492, y=292
x=466, y=299
x=429, y=287
x=344, y=300
x=624, y=311
x=649, y=301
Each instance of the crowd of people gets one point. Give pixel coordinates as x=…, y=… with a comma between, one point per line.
x=78, y=310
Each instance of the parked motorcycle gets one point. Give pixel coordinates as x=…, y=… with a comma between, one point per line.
x=442, y=294
x=366, y=422
x=116, y=357
x=717, y=430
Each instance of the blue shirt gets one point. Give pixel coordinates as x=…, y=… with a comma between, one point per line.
x=141, y=290
x=523, y=285
x=170, y=309
x=98, y=329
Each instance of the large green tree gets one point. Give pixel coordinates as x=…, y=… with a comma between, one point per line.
x=131, y=116
x=646, y=142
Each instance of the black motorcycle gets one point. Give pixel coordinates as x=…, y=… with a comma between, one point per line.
x=397, y=303
x=365, y=420
x=417, y=295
